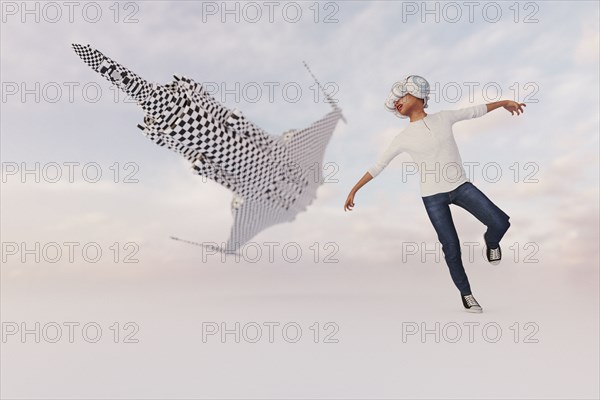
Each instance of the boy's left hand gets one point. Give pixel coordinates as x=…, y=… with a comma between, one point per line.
x=513, y=106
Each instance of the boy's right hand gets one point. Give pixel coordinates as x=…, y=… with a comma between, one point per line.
x=349, y=202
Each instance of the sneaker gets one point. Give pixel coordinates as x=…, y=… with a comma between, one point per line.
x=470, y=304
x=493, y=255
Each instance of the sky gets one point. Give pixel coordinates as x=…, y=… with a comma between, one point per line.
x=368, y=270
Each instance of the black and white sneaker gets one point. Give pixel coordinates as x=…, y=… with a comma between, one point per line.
x=493, y=255
x=470, y=304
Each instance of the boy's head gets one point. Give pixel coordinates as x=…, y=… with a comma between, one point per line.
x=408, y=95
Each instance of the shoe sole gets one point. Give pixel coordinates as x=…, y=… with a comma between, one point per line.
x=471, y=310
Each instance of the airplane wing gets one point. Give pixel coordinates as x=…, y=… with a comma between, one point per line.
x=307, y=149
x=308, y=145
x=251, y=216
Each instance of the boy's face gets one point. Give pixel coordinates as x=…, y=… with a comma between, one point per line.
x=408, y=103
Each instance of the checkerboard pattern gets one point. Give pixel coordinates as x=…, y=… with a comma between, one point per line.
x=136, y=87
x=273, y=178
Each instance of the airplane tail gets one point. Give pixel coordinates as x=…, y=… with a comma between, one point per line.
x=328, y=98
x=123, y=78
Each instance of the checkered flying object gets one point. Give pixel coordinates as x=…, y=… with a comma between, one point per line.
x=273, y=178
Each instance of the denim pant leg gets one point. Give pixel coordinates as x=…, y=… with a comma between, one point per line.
x=438, y=210
x=469, y=197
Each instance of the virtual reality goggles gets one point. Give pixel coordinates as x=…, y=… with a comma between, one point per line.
x=415, y=85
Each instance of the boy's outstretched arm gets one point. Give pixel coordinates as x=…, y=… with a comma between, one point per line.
x=480, y=110
x=510, y=105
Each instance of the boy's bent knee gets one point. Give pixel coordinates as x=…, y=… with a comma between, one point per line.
x=506, y=225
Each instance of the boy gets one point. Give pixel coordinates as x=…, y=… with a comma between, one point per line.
x=430, y=142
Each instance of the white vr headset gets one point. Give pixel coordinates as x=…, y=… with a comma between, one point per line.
x=415, y=85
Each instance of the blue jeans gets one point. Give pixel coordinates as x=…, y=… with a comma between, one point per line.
x=474, y=201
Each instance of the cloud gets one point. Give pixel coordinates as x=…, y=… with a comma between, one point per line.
x=587, y=48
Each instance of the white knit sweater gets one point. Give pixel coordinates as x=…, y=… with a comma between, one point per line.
x=430, y=143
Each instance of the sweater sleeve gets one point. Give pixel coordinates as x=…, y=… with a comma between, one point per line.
x=466, y=113
x=384, y=159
